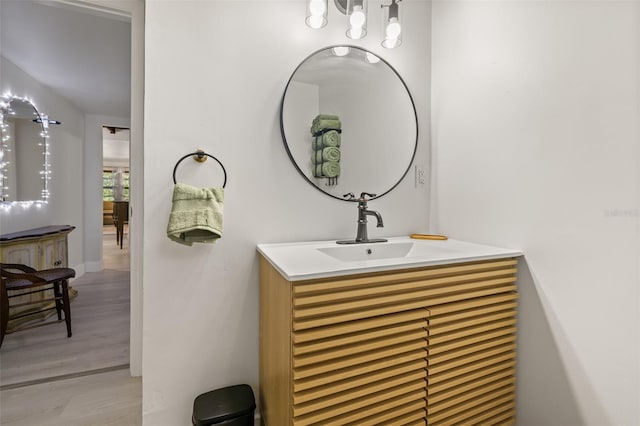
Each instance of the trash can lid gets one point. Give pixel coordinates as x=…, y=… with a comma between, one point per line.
x=223, y=404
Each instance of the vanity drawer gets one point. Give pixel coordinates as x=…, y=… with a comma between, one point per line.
x=324, y=302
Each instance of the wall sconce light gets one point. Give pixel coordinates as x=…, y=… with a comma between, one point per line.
x=356, y=11
x=316, y=13
x=392, y=26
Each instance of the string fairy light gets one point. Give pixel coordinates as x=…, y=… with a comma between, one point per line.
x=5, y=148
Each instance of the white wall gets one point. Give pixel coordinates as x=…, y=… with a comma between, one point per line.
x=65, y=205
x=536, y=136
x=215, y=74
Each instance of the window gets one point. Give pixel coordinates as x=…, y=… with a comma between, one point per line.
x=107, y=184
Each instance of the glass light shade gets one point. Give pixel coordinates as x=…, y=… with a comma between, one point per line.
x=341, y=50
x=371, y=58
x=392, y=26
x=316, y=13
x=357, y=13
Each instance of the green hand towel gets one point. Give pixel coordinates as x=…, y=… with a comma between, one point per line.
x=330, y=169
x=325, y=124
x=196, y=215
x=331, y=138
x=326, y=154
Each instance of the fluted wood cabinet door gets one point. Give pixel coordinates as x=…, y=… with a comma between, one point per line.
x=412, y=347
x=471, y=361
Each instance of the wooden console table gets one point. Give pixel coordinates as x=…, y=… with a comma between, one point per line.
x=39, y=248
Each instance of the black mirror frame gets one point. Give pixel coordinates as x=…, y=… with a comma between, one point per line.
x=284, y=138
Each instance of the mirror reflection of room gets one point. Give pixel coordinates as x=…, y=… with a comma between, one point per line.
x=362, y=101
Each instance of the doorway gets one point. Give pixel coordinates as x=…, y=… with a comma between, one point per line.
x=119, y=349
x=115, y=187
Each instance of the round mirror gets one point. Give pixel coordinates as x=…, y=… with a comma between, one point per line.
x=23, y=153
x=348, y=122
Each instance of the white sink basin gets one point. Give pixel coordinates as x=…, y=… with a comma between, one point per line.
x=359, y=252
x=323, y=259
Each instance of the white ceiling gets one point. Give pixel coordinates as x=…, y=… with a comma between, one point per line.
x=115, y=147
x=83, y=54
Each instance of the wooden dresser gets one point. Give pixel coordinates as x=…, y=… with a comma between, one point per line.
x=40, y=248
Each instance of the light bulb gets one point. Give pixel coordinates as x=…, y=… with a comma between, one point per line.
x=317, y=7
x=357, y=13
x=393, y=29
x=357, y=18
x=316, y=13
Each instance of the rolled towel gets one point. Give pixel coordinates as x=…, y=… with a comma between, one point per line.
x=331, y=138
x=329, y=169
x=325, y=117
x=330, y=153
x=325, y=124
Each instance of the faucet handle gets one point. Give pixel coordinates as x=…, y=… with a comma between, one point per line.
x=362, y=195
x=349, y=196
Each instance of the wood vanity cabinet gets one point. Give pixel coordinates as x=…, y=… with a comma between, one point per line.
x=39, y=248
x=433, y=345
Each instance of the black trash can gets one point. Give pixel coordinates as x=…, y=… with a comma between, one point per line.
x=230, y=406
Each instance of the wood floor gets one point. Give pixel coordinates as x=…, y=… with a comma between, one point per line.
x=49, y=379
x=108, y=399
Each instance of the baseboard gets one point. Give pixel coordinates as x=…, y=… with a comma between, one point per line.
x=256, y=419
x=95, y=266
x=80, y=270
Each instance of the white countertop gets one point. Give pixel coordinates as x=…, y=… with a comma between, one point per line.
x=324, y=259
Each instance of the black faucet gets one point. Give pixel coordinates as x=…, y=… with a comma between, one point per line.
x=363, y=212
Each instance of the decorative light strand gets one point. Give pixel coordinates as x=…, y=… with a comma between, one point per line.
x=45, y=174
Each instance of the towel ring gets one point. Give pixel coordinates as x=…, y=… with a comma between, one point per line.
x=199, y=155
